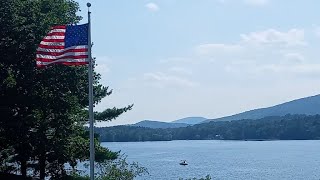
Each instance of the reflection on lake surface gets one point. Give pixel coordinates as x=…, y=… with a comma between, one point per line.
x=270, y=160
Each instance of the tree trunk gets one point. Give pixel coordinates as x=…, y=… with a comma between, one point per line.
x=42, y=163
x=23, y=168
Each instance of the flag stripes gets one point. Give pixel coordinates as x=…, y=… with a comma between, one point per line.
x=53, y=50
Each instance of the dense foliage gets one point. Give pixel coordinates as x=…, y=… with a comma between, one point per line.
x=297, y=127
x=43, y=111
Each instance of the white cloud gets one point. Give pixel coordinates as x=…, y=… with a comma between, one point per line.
x=248, y=2
x=221, y=1
x=294, y=58
x=180, y=70
x=152, y=7
x=256, y=54
x=162, y=80
x=207, y=49
x=175, y=60
x=275, y=72
x=103, y=64
x=293, y=37
x=103, y=68
x=317, y=31
x=301, y=70
x=256, y=2
x=307, y=69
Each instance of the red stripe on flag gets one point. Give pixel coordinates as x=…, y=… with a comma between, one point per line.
x=53, y=40
x=59, y=27
x=56, y=34
x=50, y=47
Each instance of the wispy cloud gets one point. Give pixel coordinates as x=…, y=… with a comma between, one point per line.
x=162, y=80
x=180, y=70
x=254, y=44
x=208, y=49
x=152, y=7
x=103, y=67
x=294, y=58
x=301, y=70
x=258, y=53
x=256, y=2
x=176, y=60
x=292, y=37
x=221, y=1
x=317, y=31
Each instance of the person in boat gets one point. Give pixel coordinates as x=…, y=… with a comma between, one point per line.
x=183, y=162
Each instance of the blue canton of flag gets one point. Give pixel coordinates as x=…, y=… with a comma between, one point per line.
x=76, y=35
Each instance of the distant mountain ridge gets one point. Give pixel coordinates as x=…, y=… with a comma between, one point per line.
x=184, y=122
x=190, y=120
x=158, y=124
x=308, y=106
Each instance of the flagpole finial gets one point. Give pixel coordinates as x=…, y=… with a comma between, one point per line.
x=88, y=5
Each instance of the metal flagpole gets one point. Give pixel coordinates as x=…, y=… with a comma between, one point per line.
x=91, y=120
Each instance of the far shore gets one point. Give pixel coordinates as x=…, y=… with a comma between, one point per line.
x=221, y=140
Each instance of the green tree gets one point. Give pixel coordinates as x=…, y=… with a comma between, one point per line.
x=120, y=169
x=43, y=110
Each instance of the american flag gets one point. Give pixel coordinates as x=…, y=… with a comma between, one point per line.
x=66, y=44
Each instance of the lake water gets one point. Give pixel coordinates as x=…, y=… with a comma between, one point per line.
x=269, y=160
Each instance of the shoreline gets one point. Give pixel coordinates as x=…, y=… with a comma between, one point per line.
x=218, y=140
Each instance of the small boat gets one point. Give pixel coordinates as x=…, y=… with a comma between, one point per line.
x=183, y=163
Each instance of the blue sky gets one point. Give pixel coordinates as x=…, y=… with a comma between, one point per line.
x=210, y=58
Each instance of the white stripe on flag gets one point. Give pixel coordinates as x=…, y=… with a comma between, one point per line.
x=52, y=43
x=58, y=30
x=62, y=50
x=54, y=37
x=61, y=56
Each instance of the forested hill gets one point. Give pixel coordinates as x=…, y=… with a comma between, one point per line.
x=184, y=122
x=158, y=124
x=190, y=120
x=308, y=105
x=300, y=127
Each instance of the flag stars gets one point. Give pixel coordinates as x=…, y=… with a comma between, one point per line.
x=78, y=35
